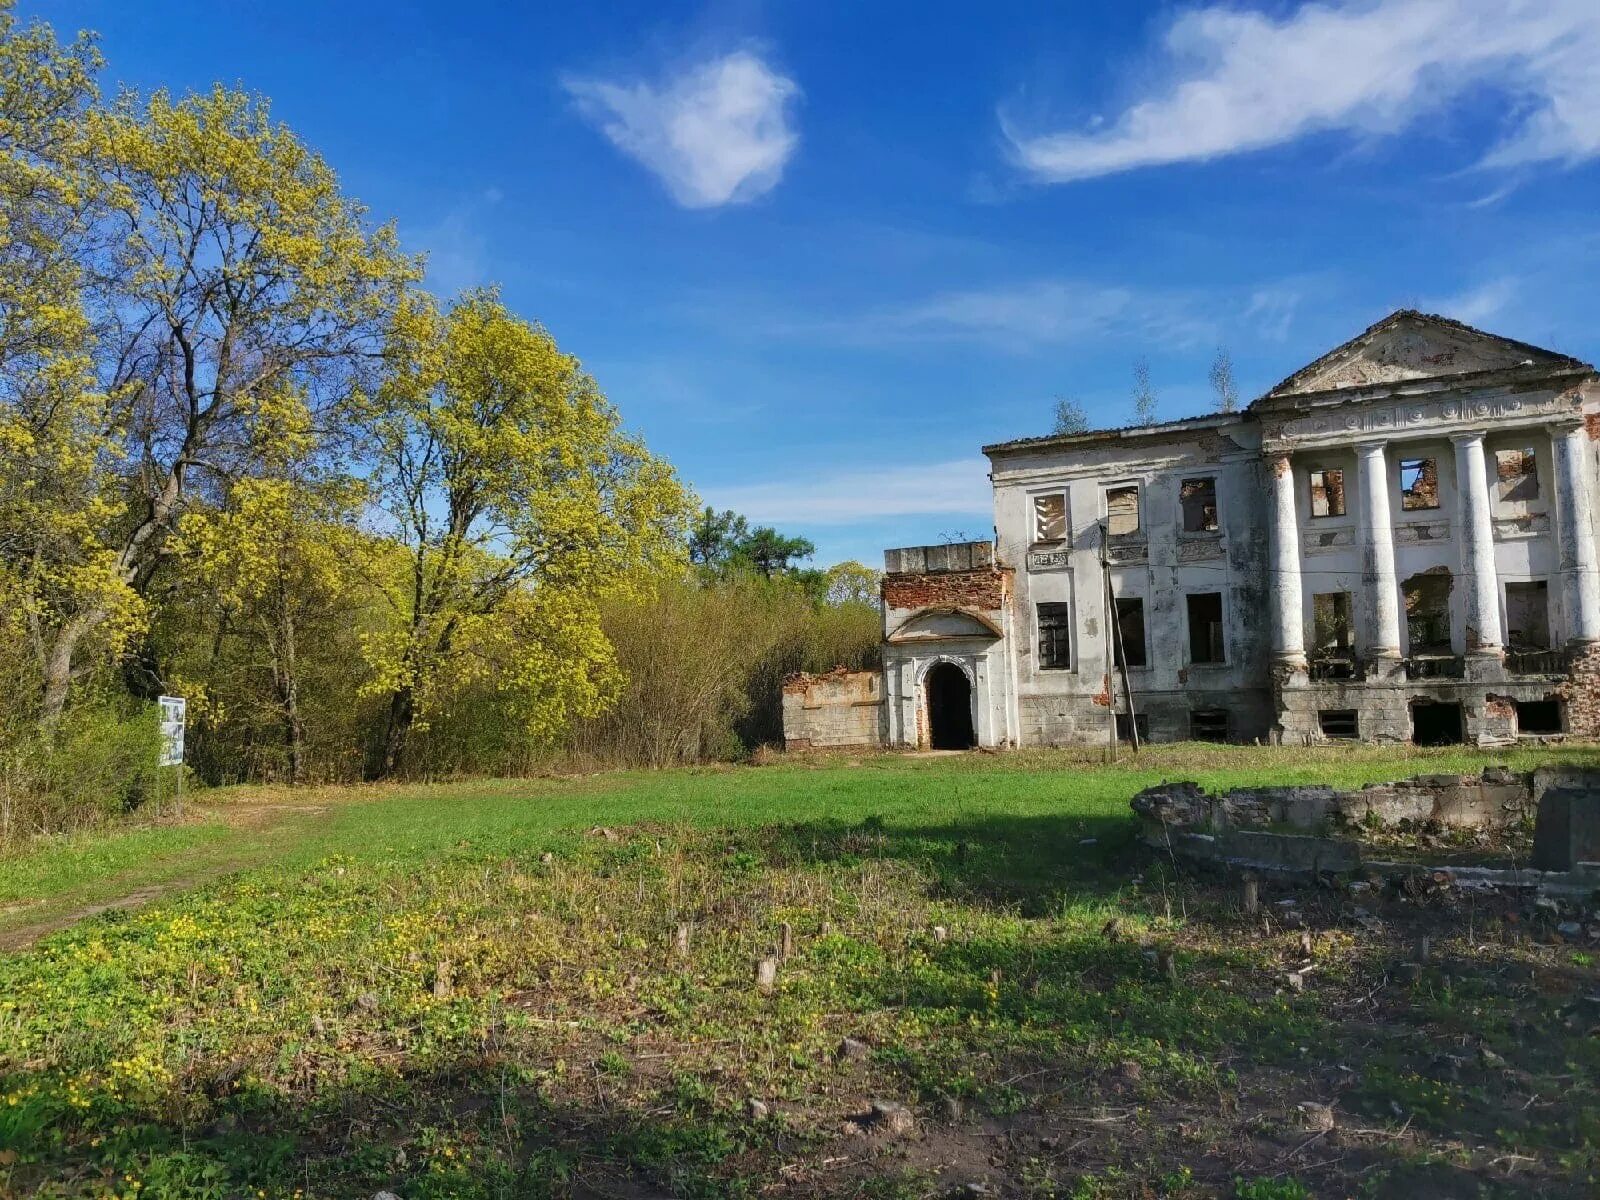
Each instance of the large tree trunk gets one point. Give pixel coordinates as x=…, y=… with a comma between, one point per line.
x=294, y=733
x=385, y=760
x=57, y=658
x=56, y=665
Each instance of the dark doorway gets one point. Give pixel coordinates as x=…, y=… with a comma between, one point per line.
x=949, y=707
x=1436, y=724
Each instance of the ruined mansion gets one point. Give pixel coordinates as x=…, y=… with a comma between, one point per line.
x=1396, y=543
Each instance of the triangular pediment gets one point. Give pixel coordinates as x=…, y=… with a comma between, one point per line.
x=1411, y=345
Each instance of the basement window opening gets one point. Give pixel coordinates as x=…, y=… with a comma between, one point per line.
x=1198, y=498
x=1208, y=724
x=1538, y=716
x=1434, y=724
x=1327, y=492
x=1205, y=628
x=1419, y=483
x=1339, y=724
x=1141, y=722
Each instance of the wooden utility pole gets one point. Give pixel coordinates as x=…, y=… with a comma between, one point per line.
x=1121, y=655
x=1110, y=621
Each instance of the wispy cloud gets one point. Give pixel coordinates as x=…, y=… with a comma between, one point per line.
x=1476, y=306
x=1243, y=81
x=1028, y=315
x=957, y=488
x=456, y=246
x=719, y=132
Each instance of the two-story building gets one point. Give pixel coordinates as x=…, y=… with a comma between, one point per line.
x=1395, y=543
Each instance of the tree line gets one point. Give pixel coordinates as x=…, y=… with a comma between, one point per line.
x=247, y=459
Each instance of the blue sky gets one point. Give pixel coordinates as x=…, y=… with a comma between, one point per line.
x=820, y=253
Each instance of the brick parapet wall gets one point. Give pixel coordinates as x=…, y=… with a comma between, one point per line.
x=984, y=589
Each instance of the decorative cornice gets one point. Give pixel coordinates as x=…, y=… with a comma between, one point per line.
x=1412, y=419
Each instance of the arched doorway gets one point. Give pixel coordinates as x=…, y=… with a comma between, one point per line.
x=949, y=699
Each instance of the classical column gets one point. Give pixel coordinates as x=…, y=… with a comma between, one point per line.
x=1283, y=562
x=1580, y=584
x=1382, y=641
x=1481, y=584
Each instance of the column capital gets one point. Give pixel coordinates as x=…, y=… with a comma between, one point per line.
x=1468, y=437
x=1371, y=449
x=1565, y=426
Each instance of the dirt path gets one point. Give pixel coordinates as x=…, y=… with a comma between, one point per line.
x=246, y=819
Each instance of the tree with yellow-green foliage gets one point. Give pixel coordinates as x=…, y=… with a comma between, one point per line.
x=521, y=505
x=59, y=583
x=230, y=285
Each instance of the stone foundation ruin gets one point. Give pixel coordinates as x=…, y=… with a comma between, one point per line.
x=1316, y=829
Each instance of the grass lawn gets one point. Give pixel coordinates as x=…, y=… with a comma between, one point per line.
x=547, y=987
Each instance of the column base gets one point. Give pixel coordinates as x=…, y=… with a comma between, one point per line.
x=1384, y=666
x=1290, y=671
x=1484, y=666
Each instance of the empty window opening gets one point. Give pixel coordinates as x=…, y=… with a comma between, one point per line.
x=1205, y=628
x=1340, y=724
x=1419, y=483
x=1141, y=722
x=1327, y=492
x=1427, y=599
x=1208, y=724
x=1516, y=476
x=1050, y=518
x=1436, y=724
x=1538, y=716
x=1528, y=615
x=1129, y=646
x=1330, y=624
x=1055, y=637
x=1122, y=510
x=1198, y=498
x=949, y=700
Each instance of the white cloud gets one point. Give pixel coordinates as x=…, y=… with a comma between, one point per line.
x=1476, y=306
x=457, y=250
x=958, y=488
x=1032, y=314
x=1244, y=81
x=1271, y=311
x=718, y=133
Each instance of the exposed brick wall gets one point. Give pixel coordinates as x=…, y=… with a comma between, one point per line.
x=946, y=589
x=1591, y=423
x=841, y=708
x=1581, y=694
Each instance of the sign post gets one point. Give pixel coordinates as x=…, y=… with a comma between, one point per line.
x=174, y=715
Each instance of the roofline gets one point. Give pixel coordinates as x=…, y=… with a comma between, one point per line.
x=1562, y=361
x=1054, y=441
x=1268, y=404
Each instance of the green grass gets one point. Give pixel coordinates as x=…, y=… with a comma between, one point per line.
x=459, y=991
x=425, y=819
